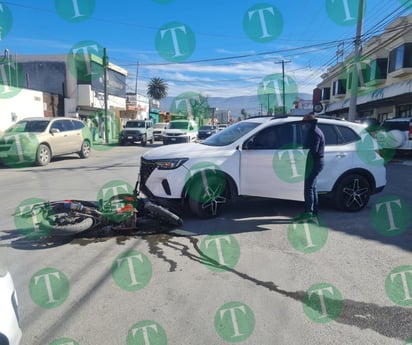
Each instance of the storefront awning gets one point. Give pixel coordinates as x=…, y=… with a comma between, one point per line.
x=379, y=94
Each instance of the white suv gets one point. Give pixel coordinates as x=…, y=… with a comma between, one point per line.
x=264, y=157
x=180, y=131
x=10, y=331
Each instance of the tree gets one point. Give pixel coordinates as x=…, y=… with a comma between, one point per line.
x=157, y=89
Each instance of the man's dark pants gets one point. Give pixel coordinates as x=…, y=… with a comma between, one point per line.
x=310, y=189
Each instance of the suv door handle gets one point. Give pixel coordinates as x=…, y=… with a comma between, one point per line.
x=341, y=155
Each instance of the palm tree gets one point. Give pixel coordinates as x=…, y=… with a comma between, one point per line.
x=157, y=89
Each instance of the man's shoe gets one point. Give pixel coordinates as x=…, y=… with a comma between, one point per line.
x=306, y=215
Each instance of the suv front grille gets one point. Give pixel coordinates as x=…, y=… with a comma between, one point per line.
x=146, y=169
x=128, y=132
x=174, y=134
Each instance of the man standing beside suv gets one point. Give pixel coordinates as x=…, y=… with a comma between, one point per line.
x=315, y=143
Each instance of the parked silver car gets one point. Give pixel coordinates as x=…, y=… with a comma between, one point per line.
x=10, y=331
x=37, y=140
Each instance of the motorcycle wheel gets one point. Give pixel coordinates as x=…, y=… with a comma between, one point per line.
x=60, y=221
x=162, y=214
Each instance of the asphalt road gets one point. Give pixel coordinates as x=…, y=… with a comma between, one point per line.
x=253, y=275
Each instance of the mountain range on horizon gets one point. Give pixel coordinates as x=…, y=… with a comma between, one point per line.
x=233, y=104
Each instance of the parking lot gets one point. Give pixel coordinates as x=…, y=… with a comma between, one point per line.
x=252, y=275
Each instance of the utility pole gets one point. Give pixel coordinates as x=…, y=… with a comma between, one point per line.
x=355, y=78
x=283, y=84
x=137, y=77
x=105, y=66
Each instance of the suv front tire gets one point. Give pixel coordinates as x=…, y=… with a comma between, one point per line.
x=208, y=193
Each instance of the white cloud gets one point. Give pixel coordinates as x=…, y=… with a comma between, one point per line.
x=224, y=79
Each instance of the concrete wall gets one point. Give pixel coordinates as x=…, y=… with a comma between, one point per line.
x=27, y=103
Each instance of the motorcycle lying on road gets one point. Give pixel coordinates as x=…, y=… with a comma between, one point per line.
x=120, y=212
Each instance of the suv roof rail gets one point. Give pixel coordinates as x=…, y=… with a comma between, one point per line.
x=329, y=117
x=269, y=116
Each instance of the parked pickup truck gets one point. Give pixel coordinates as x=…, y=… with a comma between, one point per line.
x=137, y=131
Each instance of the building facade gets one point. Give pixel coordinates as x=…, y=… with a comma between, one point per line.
x=77, y=86
x=383, y=73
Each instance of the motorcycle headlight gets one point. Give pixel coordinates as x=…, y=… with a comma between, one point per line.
x=169, y=164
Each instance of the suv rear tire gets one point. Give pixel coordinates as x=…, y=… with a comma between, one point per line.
x=352, y=193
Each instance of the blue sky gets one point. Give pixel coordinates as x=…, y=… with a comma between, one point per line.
x=233, y=45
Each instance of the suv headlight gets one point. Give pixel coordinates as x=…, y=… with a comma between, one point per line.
x=169, y=164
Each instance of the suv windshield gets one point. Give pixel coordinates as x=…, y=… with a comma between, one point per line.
x=231, y=134
x=28, y=126
x=206, y=128
x=178, y=125
x=134, y=124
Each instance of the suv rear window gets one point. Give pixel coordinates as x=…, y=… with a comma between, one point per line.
x=338, y=135
x=331, y=135
x=347, y=135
